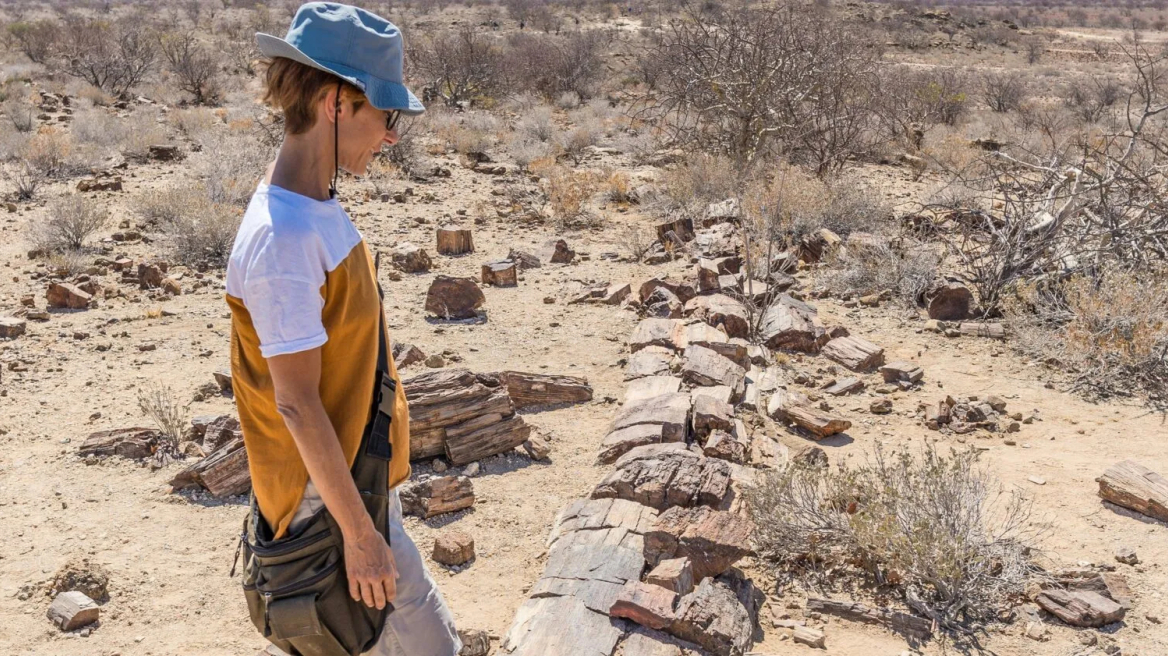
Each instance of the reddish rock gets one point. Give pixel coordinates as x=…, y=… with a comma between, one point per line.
x=713, y=540
x=63, y=295
x=453, y=548
x=454, y=298
x=646, y=604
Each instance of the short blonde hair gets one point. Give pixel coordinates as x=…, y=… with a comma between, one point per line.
x=294, y=89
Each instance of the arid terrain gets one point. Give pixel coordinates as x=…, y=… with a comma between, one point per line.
x=518, y=169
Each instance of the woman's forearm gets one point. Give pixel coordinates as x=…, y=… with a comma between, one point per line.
x=316, y=439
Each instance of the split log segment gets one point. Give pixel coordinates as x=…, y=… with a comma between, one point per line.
x=1133, y=486
x=436, y=496
x=224, y=472
x=713, y=540
x=530, y=390
x=854, y=353
x=500, y=273
x=792, y=325
x=462, y=415
x=133, y=443
x=454, y=241
x=896, y=621
x=665, y=475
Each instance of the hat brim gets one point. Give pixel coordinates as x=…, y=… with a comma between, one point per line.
x=383, y=94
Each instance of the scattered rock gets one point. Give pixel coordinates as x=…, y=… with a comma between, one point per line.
x=854, y=353
x=501, y=273
x=528, y=390
x=1133, y=486
x=475, y=642
x=454, y=298
x=950, y=302
x=1080, y=607
x=675, y=574
x=880, y=406
x=11, y=327
x=73, y=610
x=792, y=325
x=646, y=604
x=523, y=259
x=133, y=443
x=453, y=548
x=1127, y=556
x=409, y=258
x=536, y=448
x=454, y=241
x=406, y=354
x=435, y=361
x=556, y=251
x=63, y=295
x=713, y=540
x=435, y=496
x=806, y=635
x=901, y=371
x=90, y=579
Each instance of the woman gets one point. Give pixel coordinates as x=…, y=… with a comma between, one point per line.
x=306, y=317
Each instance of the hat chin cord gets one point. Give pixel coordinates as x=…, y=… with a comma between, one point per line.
x=336, y=156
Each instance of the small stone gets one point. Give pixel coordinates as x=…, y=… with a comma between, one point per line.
x=1127, y=556
x=73, y=610
x=475, y=642
x=1037, y=631
x=454, y=548
x=880, y=406
x=810, y=637
x=1037, y=480
x=536, y=447
x=435, y=361
x=439, y=465
x=471, y=470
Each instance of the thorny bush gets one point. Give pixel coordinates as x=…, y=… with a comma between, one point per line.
x=933, y=529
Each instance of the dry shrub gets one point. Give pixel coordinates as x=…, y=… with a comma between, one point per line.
x=617, y=187
x=702, y=180
x=20, y=112
x=158, y=402
x=194, y=65
x=526, y=151
x=68, y=263
x=553, y=65
x=109, y=134
x=906, y=270
x=199, y=230
x=25, y=179
x=1003, y=92
x=230, y=164
x=1110, y=334
x=536, y=124
x=72, y=220
x=568, y=192
x=936, y=530
x=795, y=203
x=574, y=143
x=636, y=240
x=194, y=122
x=48, y=151
x=204, y=236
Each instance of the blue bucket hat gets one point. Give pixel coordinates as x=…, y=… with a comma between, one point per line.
x=361, y=48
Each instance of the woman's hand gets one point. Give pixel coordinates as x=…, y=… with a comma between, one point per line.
x=371, y=569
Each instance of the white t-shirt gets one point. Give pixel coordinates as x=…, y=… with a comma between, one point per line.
x=285, y=246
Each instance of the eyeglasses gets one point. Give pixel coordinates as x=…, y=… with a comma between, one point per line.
x=391, y=119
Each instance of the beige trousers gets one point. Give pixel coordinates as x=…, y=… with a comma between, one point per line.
x=421, y=623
